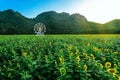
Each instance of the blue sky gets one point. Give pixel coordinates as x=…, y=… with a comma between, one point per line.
x=30, y=8
x=94, y=10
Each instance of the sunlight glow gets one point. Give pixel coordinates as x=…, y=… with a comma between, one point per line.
x=98, y=10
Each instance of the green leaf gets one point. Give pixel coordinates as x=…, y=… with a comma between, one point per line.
x=70, y=70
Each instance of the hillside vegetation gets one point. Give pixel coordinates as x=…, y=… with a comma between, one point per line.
x=12, y=22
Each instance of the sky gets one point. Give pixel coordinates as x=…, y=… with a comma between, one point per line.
x=100, y=11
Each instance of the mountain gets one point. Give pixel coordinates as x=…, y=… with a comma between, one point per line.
x=62, y=22
x=113, y=26
x=12, y=22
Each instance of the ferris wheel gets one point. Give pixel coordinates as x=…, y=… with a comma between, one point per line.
x=40, y=29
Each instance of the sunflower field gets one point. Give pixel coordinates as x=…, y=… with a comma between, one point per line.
x=60, y=57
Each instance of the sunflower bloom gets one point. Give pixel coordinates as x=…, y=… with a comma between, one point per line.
x=84, y=54
x=92, y=56
x=118, y=63
x=116, y=76
x=88, y=44
x=115, y=52
x=103, y=58
x=77, y=58
x=112, y=70
x=85, y=67
x=108, y=64
x=70, y=48
x=77, y=50
x=61, y=60
x=24, y=53
x=101, y=66
x=115, y=65
x=61, y=50
x=95, y=49
x=62, y=71
x=119, y=78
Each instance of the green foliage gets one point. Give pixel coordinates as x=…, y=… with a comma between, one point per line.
x=60, y=57
x=113, y=26
x=12, y=22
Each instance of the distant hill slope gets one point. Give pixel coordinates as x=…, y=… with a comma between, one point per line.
x=12, y=22
x=62, y=22
x=113, y=26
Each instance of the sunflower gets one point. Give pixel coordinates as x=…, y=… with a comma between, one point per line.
x=61, y=59
x=115, y=52
x=92, y=56
x=108, y=64
x=62, y=71
x=77, y=58
x=118, y=63
x=88, y=44
x=85, y=67
x=77, y=50
x=116, y=76
x=119, y=78
x=95, y=49
x=70, y=48
x=61, y=50
x=103, y=58
x=112, y=70
x=115, y=65
x=24, y=53
x=84, y=54
x=101, y=66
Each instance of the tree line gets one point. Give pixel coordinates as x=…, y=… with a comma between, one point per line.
x=13, y=22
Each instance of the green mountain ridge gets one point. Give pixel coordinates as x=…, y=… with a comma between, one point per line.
x=12, y=22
